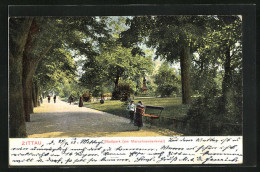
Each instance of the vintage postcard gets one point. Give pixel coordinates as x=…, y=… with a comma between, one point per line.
x=140, y=89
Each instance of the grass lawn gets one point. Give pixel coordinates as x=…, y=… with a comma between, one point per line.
x=173, y=106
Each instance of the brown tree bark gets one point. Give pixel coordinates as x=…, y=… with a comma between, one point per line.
x=29, y=66
x=35, y=104
x=226, y=83
x=30, y=63
x=185, y=75
x=116, y=82
x=17, y=128
x=37, y=94
x=116, y=93
x=28, y=71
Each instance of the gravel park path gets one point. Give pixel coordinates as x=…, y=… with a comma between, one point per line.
x=61, y=119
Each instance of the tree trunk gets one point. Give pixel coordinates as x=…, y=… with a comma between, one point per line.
x=30, y=63
x=116, y=82
x=185, y=75
x=17, y=128
x=226, y=84
x=37, y=94
x=116, y=92
x=34, y=95
x=28, y=69
x=28, y=72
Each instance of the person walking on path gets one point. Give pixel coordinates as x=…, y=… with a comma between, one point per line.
x=81, y=101
x=139, y=115
x=54, y=98
x=131, y=109
x=70, y=99
x=49, y=98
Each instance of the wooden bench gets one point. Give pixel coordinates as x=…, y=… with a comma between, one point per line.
x=153, y=115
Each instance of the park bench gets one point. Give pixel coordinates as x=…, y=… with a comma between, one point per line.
x=153, y=112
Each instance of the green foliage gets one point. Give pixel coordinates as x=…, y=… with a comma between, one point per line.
x=166, y=34
x=173, y=38
x=167, y=80
x=217, y=79
x=56, y=68
x=68, y=88
x=208, y=80
x=112, y=65
x=100, y=90
x=66, y=34
x=119, y=66
x=206, y=115
x=122, y=91
x=87, y=96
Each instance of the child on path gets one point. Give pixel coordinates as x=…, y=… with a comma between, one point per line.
x=131, y=109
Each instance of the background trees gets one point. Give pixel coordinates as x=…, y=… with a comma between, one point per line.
x=114, y=63
x=56, y=70
x=219, y=72
x=167, y=80
x=173, y=37
x=209, y=51
x=45, y=53
x=31, y=40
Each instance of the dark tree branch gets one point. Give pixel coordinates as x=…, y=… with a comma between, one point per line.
x=45, y=51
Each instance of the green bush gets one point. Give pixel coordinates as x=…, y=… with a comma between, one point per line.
x=167, y=81
x=87, y=97
x=207, y=116
x=123, y=92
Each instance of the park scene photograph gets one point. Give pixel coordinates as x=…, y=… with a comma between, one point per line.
x=125, y=76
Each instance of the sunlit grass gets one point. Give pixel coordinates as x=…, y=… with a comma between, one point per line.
x=173, y=106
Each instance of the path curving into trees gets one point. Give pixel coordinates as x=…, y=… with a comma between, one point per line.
x=201, y=61
x=64, y=120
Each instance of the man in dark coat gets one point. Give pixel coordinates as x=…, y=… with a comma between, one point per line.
x=49, y=98
x=54, y=98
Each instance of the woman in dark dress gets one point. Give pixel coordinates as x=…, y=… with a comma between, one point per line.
x=139, y=115
x=81, y=101
x=70, y=99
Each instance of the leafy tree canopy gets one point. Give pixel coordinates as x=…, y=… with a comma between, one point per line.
x=113, y=64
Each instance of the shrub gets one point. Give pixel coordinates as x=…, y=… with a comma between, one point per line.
x=87, y=97
x=167, y=81
x=122, y=92
x=207, y=116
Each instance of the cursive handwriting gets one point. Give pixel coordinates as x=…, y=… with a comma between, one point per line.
x=126, y=151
